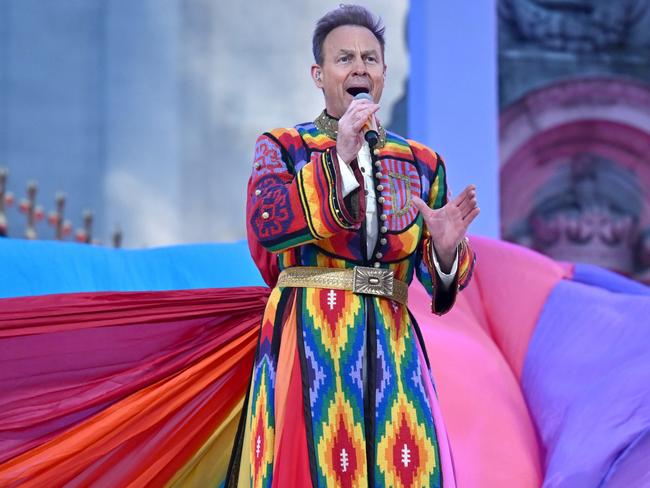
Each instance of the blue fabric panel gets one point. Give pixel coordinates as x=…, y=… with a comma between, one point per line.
x=586, y=379
x=603, y=278
x=45, y=267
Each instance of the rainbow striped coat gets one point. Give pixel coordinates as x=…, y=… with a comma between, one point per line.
x=341, y=392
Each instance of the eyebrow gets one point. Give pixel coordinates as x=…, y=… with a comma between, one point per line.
x=363, y=53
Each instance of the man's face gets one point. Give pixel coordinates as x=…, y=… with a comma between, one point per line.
x=352, y=63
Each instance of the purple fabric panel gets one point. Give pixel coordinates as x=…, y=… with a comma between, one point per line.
x=586, y=380
x=603, y=278
x=632, y=468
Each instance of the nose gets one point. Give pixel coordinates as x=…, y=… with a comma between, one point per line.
x=359, y=67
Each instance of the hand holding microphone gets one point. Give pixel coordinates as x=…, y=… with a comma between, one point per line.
x=358, y=123
x=370, y=133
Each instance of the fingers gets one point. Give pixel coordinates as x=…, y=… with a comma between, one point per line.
x=361, y=117
x=350, y=137
x=466, y=200
x=359, y=105
x=422, y=207
x=469, y=191
x=467, y=205
x=356, y=103
x=358, y=113
x=469, y=218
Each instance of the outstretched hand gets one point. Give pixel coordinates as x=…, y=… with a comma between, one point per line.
x=448, y=224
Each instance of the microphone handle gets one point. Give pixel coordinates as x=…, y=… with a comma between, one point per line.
x=371, y=137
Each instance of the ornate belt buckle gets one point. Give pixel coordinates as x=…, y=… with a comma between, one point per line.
x=373, y=281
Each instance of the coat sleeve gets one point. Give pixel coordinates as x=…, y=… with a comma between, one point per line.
x=442, y=299
x=286, y=208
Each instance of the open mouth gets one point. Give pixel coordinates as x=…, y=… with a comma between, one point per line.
x=355, y=90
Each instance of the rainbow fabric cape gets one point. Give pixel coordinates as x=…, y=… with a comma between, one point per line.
x=129, y=368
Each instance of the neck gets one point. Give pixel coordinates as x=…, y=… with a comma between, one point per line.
x=330, y=114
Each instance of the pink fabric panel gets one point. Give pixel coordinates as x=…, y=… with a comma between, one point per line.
x=477, y=352
x=446, y=459
x=510, y=285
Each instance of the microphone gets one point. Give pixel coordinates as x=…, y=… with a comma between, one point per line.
x=370, y=133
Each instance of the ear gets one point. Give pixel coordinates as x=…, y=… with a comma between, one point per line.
x=317, y=75
x=385, y=71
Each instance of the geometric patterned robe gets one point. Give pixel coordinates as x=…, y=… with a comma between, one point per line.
x=341, y=391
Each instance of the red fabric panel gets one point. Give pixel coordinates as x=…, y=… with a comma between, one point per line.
x=291, y=459
x=119, y=387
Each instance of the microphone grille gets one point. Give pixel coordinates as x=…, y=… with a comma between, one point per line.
x=363, y=96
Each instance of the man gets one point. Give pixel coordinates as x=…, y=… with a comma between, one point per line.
x=341, y=393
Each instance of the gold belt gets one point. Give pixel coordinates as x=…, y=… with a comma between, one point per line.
x=360, y=280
